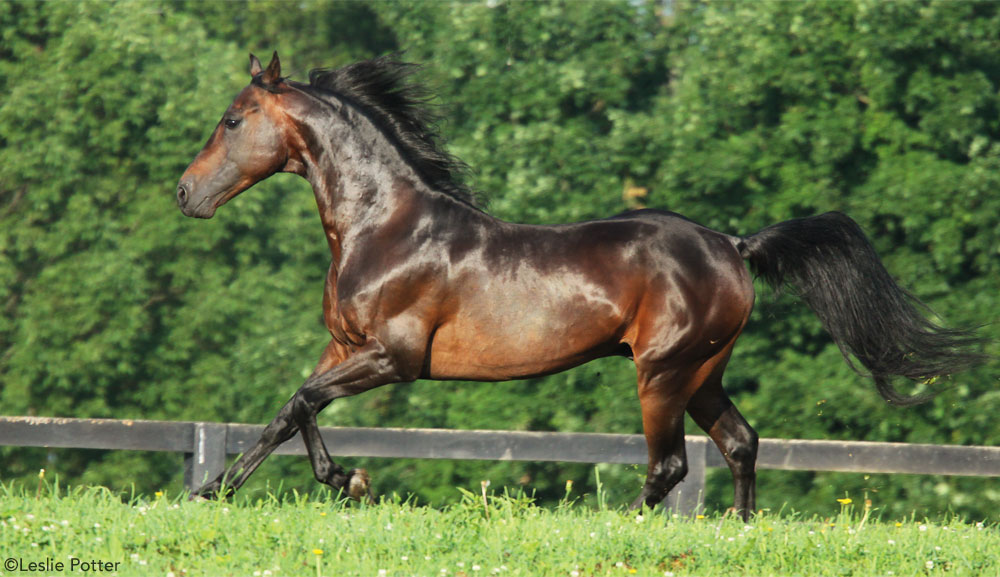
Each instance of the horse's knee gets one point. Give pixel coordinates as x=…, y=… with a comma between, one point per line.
x=302, y=409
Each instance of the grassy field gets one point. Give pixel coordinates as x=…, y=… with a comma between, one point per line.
x=94, y=532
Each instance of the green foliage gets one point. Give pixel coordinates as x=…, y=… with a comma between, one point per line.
x=738, y=115
x=505, y=535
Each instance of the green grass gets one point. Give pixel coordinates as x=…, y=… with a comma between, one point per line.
x=305, y=536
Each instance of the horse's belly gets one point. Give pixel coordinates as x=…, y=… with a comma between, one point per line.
x=529, y=344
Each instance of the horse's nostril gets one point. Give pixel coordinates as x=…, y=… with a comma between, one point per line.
x=182, y=195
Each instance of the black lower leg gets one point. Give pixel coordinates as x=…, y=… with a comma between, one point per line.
x=736, y=439
x=279, y=430
x=660, y=479
x=739, y=447
x=355, y=483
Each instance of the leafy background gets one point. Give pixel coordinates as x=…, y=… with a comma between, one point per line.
x=738, y=115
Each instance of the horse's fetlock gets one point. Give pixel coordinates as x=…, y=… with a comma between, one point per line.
x=675, y=470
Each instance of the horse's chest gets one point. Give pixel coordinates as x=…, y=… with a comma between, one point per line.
x=339, y=319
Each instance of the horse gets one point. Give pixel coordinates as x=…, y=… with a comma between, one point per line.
x=424, y=284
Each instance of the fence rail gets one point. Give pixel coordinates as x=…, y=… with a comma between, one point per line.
x=206, y=445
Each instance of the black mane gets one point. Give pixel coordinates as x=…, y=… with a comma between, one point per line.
x=381, y=88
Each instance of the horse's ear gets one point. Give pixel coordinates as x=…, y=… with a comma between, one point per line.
x=273, y=73
x=255, y=67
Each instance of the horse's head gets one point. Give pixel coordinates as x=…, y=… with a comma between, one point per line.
x=247, y=146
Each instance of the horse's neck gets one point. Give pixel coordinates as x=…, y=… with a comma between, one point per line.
x=360, y=201
x=363, y=185
x=349, y=170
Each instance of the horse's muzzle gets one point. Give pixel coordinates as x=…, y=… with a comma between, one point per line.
x=192, y=204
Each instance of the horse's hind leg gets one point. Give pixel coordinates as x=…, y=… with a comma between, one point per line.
x=714, y=412
x=662, y=397
x=666, y=389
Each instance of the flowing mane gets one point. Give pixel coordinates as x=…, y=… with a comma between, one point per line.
x=382, y=89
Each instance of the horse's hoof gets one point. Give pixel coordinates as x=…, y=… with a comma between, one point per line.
x=359, y=486
x=214, y=491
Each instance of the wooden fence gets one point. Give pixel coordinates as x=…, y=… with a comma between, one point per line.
x=206, y=445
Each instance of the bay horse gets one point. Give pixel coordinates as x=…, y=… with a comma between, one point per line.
x=423, y=284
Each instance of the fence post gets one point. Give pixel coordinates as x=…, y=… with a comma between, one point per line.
x=208, y=458
x=688, y=497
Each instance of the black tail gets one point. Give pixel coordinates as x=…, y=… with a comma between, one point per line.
x=829, y=262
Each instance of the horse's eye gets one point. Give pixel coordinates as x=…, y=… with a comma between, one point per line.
x=232, y=122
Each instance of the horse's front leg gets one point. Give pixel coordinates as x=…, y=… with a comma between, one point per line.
x=368, y=367
x=279, y=430
x=282, y=428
